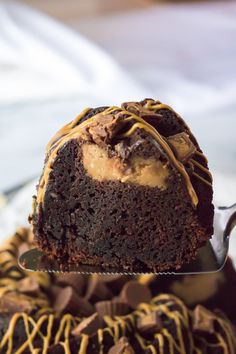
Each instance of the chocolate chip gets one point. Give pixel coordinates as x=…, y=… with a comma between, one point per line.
x=68, y=301
x=29, y=285
x=111, y=308
x=203, y=320
x=182, y=146
x=76, y=281
x=150, y=323
x=122, y=347
x=88, y=326
x=97, y=291
x=134, y=293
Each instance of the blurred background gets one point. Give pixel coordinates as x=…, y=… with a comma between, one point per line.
x=58, y=56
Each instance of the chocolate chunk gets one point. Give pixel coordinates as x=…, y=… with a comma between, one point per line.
x=88, y=326
x=111, y=308
x=68, y=301
x=182, y=146
x=122, y=347
x=114, y=282
x=150, y=323
x=97, y=291
x=203, y=320
x=76, y=281
x=134, y=293
x=29, y=285
x=104, y=128
x=54, y=290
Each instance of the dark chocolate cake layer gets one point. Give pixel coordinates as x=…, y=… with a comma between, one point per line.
x=124, y=187
x=71, y=314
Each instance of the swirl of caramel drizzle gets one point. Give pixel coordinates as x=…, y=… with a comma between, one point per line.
x=74, y=130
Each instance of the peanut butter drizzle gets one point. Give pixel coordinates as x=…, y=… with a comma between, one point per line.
x=158, y=106
x=161, y=342
x=123, y=324
x=84, y=344
x=202, y=168
x=172, y=344
x=167, y=297
x=36, y=331
x=63, y=136
x=175, y=315
x=229, y=334
x=116, y=330
x=163, y=303
x=143, y=344
x=100, y=340
x=150, y=104
x=65, y=347
x=117, y=327
x=201, y=178
x=179, y=166
x=73, y=130
x=114, y=326
x=66, y=129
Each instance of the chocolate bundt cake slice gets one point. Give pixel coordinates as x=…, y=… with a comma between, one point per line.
x=126, y=187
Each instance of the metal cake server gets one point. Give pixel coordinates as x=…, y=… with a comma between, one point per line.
x=210, y=258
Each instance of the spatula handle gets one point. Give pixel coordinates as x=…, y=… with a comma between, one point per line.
x=229, y=214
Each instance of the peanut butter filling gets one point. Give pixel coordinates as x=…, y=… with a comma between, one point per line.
x=144, y=172
x=105, y=130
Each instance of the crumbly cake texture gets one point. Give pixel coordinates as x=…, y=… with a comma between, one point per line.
x=126, y=187
x=71, y=314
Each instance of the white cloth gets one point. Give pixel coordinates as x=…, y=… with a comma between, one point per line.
x=40, y=58
x=185, y=55
x=48, y=74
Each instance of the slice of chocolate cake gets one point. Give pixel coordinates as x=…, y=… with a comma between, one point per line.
x=126, y=187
